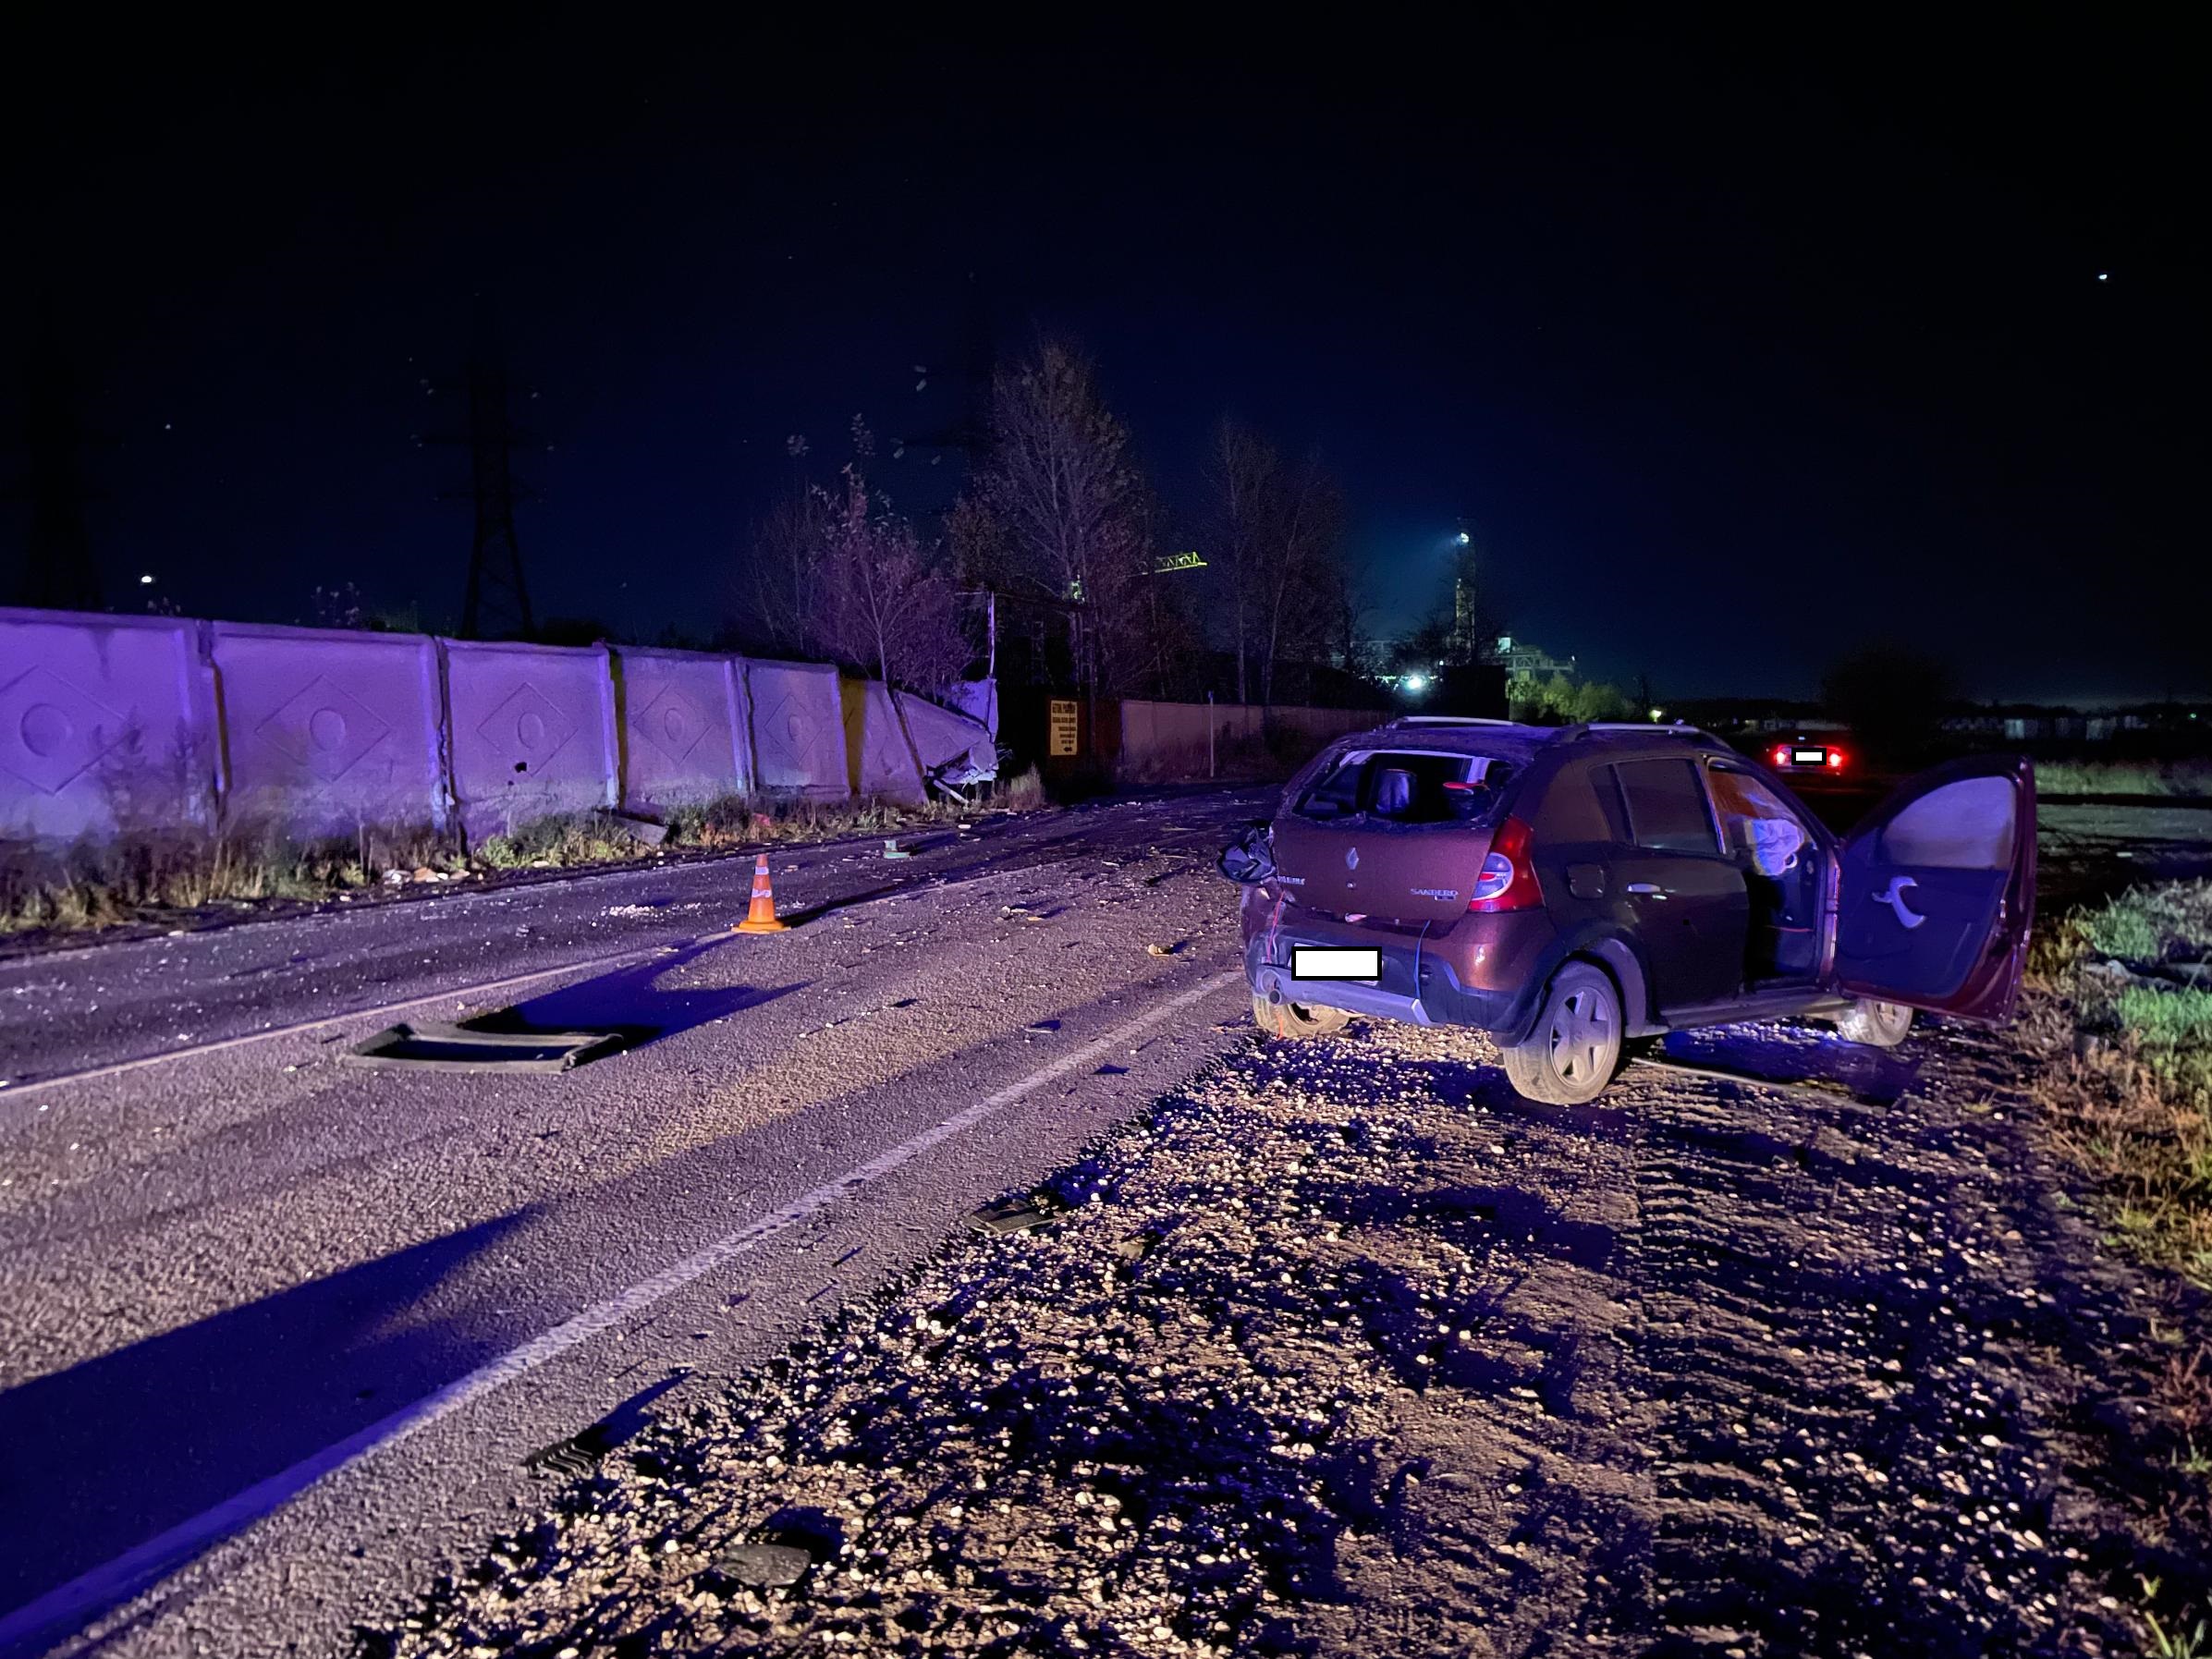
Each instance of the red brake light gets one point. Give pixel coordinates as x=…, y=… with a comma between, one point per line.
x=1781, y=754
x=1508, y=881
x=1835, y=759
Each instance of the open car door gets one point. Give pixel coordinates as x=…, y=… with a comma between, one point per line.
x=1937, y=889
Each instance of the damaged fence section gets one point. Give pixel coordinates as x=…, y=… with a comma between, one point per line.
x=115, y=723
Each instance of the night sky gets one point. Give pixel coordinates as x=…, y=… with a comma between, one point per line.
x=1740, y=348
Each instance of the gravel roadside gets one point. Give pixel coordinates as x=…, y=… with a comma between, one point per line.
x=1343, y=1348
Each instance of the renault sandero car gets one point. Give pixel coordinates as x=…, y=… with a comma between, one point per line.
x=1570, y=889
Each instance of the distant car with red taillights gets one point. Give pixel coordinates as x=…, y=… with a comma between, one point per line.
x=1820, y=755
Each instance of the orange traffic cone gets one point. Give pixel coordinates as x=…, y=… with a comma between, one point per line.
x=760, y=917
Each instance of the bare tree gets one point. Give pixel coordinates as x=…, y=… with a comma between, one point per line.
x=1244, y=476
x=1273, y=529
x=1058, y=513
x=1302, y=587
x=784, y=570
x=880, y=601
x=837, y=575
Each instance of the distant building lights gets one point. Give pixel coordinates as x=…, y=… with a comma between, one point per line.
x=145, y=581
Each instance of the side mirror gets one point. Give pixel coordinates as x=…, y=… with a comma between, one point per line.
x=1248, y=859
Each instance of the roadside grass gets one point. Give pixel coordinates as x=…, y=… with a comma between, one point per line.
x=2146, y=925
x=100, y=885
x=95, y=885
x=2128, y=1092
x=2188, y=780
x=2120, y=995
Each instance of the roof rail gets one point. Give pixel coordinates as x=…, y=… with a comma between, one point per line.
x=1569, y=734
x=1450, y=720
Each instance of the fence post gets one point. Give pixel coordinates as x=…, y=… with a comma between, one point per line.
x=218, y=722
x=613, y=710
x=737, y=689
x=445, y=812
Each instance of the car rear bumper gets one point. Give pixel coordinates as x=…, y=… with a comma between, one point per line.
x=1418, y=984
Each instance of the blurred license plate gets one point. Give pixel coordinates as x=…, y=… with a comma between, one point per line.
x=1808, y=757
x=1311, y=962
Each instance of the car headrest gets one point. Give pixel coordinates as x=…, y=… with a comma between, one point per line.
x=1393, y=790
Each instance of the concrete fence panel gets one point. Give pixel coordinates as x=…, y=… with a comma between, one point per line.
x=1315, y=727
x=1162, y=740
x=111, y=723
x=877, y=759
x=532, y=732
x=797, y=725
x=683, y=728
x=106, y=724
x=957, y=746
x=326, y=731
x=1169, y=740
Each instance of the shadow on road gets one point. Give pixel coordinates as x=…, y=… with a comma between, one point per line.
x=630, y=1000
x=98, y=1459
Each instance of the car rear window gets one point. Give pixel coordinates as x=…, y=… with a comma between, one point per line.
x=1406, y=787
x=1336, y=793
x=1666, y=806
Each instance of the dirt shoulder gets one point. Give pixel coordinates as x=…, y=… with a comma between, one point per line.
x=1343, y=1348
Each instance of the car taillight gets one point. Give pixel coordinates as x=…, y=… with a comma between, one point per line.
x=1834, y=760
x=1506, y=880
x=1781, y=754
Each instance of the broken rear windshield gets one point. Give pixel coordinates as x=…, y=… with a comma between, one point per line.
x=1406, y=787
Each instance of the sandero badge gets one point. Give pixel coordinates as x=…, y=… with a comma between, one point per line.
x=1626, y=881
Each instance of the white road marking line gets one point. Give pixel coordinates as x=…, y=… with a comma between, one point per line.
x=71, y=1605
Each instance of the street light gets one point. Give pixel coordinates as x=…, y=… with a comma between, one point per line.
x=1465, y=538
x=1414, y=682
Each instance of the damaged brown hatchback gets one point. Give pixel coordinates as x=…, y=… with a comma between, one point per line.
x=1570, y=889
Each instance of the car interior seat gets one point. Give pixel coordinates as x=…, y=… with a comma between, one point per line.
x=1393, y=792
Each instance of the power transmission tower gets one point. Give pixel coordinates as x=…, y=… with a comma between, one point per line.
x=497, y=605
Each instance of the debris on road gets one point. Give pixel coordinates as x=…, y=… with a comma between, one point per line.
x=646, y=832
x=765, y=1565
x=1023, y=1213
x=443, y=1047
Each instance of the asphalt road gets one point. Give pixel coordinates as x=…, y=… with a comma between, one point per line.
x=279, y=1335
x=279, y=1332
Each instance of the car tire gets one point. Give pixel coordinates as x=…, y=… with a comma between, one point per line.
x=1296, y=1019
x=1875, y=1024
x=1574, y=1049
